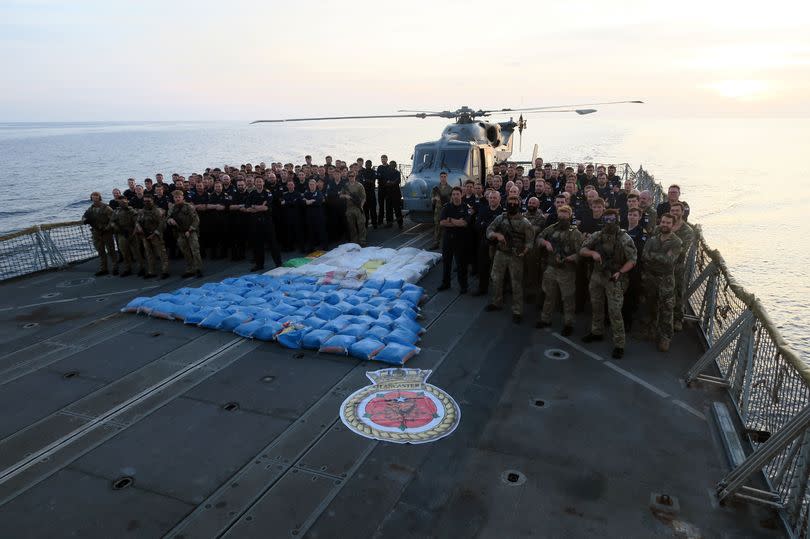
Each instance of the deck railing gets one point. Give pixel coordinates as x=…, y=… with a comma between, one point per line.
x=767, y=381
x=44, y=247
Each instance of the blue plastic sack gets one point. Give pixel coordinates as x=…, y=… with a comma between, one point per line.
x=327, y=311
x=363, y=319
x=396, y=354
x=378, y=332
x=214, y=319
x=384, y=321
x=132, y=306
x=365, y=349
x=315, y=339
x=333, y=298
x=392, y=284
x=414, y=297
x=391, y=293
x=267, y=331
x=338, y=344
x=411, y=325
x=375, y=284
x=352, y=300
x=181, y=312
x=344, y=306
x=402, y=336
x=248, y=328
x=236, y=319
x=360, y=308
x=284, y=308
x=377, y=301
x=314, y=322
x=292, y=335
x=199, y=316
x=252, y=301
x=356, y=330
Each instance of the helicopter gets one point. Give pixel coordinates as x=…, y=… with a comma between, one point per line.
x=467, y=149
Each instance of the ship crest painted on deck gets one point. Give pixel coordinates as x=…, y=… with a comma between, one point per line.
x=401, y=407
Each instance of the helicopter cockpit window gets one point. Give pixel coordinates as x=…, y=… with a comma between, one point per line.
x=423, y=159
x=455, y=159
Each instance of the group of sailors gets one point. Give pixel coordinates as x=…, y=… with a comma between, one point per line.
x=560, y=234
x=218, y=213
x=569, y=235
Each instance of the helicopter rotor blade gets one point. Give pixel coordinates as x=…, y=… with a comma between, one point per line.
x=532, y=109
x=419, y=115
x=578, y=111
x=425, y=111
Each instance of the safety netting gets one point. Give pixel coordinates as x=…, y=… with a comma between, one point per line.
x=360, y=302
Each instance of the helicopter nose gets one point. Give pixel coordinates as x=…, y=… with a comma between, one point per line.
x=417, y=188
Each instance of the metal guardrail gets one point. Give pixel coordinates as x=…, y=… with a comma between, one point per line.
x=44, y=247
x=767, y=381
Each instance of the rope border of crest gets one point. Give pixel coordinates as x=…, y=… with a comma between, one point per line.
x=440, y=430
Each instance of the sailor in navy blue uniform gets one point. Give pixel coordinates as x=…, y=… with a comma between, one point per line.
x=313, y=201
x=638, y=234
x=290, y=206
x=455, y=221
x=258, y=205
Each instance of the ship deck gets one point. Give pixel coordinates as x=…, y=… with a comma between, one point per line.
x=93, y=396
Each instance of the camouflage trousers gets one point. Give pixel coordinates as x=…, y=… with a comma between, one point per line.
x=505, y=261
x=190, y=247
x=680, y=277
x=659, y=302
x=154, y=248
x=559, y=282
x=603, y=289
x=130, y=251
x=105, y=246
x=437, y=229
x=356, y=221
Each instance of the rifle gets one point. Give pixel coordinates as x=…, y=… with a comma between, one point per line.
x=609, y=262
x=354, y=198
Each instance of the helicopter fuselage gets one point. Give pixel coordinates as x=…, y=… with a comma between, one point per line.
x=466, y=151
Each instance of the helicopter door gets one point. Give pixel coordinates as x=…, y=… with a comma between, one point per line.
x=482, y=178
x=475, y=165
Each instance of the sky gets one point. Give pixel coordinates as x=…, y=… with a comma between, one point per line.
x=88, y=60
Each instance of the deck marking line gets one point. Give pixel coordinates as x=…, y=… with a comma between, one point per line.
x=636, y=379
x=582, y=349
x=689, y=409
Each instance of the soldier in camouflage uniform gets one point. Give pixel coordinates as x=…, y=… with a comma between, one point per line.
x=150, y=227
x=531, y=264
x=686, y=234
x=649, y=217
x=355, y=195
x=124, y=219
x=658, y=281
x=562, y=242
x=98, y=216
x=514, y=235
x=614, y=254
x=440, y=197
x=186, y=223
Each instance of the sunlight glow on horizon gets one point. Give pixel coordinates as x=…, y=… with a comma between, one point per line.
x=245, y=59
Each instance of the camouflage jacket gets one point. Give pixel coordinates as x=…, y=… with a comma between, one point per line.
x=660, y=255
x=536, y=220
x=357, y=194
x=98, y=217
x=687, y=235
x=124, y=220
x=151, y=221
x=615, y=249
x=185, y=216
x=565, y=241
x=517, y=230
x=442, y=193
